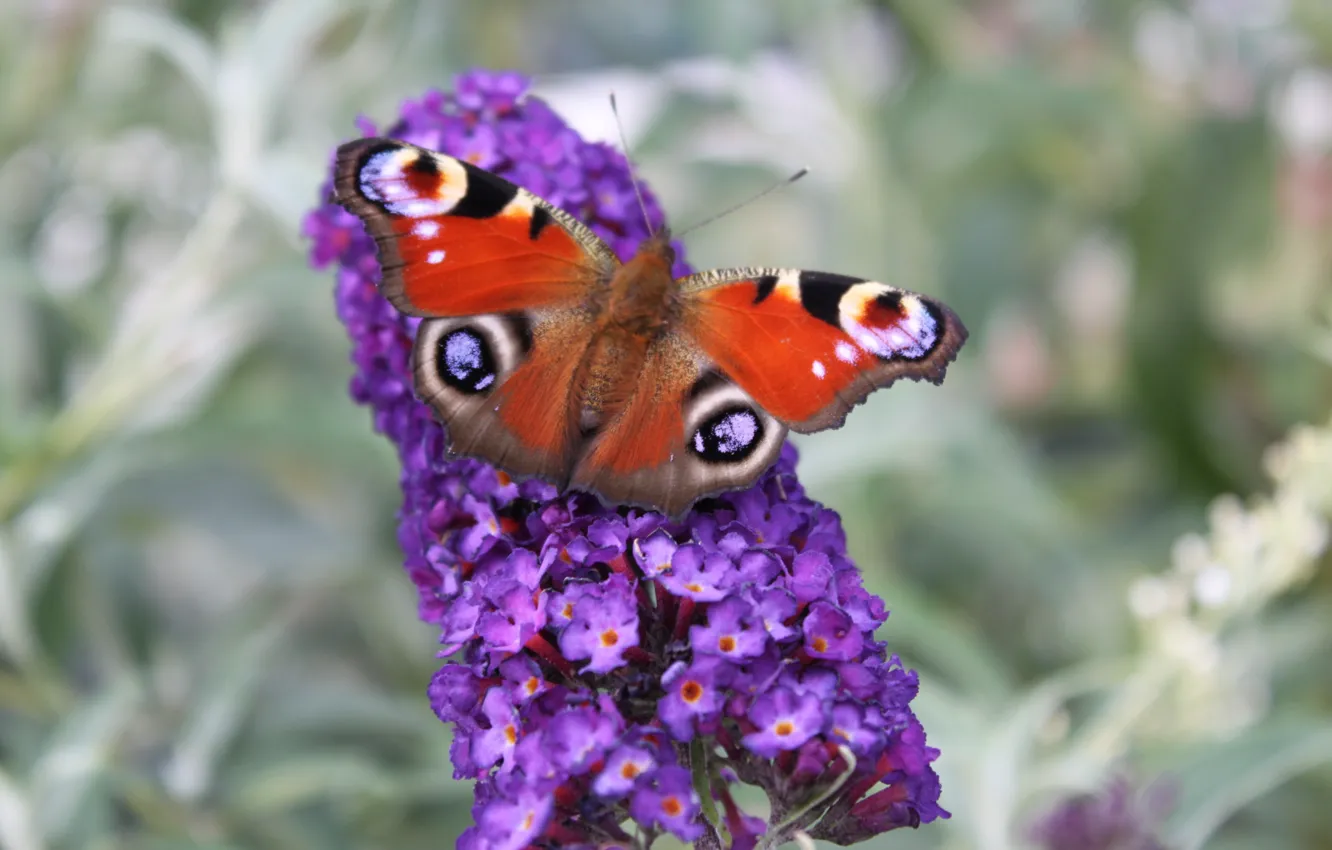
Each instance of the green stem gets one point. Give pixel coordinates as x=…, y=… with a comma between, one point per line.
x=776, y=836
x=702, y=776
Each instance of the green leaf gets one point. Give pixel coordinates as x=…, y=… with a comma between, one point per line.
x=181, y=45
x=292, y=782
x=1224, y=778
x=17, y=829
x=222, y=706
x=64, y=775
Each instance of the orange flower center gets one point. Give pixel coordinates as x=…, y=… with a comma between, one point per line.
x=820, y=645
x=610, y=637
x=672, y=806
x=784, y=728
x=726, y=644
x=629, y=770
x=511, y=734
x=691, y=691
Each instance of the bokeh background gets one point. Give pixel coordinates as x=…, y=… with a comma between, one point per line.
x=1103, y=541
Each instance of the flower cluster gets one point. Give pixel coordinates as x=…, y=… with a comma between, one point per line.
x=1116, y=817
x=612, y=667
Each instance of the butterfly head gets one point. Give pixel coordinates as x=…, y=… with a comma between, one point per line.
x=658, y=248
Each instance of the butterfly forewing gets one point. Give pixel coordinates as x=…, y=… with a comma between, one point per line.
x=456, y=240
x=809, y=346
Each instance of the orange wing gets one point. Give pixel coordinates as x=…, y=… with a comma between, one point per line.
x=501, y=383
x=502, y=279
x=809, y=346
x=686, y=432
x=456, y=240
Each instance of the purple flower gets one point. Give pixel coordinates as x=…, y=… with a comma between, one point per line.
x=697, y=574
x=603, y=624
x=732, y=631
x=654, y=553
x=830, y=634
x=495, y=743
x=623, y=770
x=693, y=692
x=588, y=642
x=785, y=720
x=1115, y=818
x=670, y=802
x=508, y=823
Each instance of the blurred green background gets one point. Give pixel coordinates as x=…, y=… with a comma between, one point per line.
x=205, y=637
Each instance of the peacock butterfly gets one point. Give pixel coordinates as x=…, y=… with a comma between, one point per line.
x=546, y=356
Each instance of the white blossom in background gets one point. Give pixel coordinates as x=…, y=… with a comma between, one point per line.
x=1219, y=581
x=1302, y=112
x=1166, y=43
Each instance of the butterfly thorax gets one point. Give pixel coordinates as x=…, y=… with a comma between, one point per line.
x=643, y=291
x=642, y=303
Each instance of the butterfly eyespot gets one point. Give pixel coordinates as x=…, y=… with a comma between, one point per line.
x=465, y=361
x=730, y=435
x=889, y=323
x=410, y=183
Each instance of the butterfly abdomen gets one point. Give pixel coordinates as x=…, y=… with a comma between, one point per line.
x=607, y=376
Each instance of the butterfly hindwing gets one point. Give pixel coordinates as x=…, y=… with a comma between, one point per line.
x=809, y=346
x=456, y=240
x=501, y=385
x=685, y=433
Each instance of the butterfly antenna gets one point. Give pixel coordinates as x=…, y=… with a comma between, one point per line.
x=768, y=191
x=633, y=177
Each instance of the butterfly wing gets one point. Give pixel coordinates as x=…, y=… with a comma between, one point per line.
x=684, y=433
x=755, y=352
x=503, y=279
x=809, y=346
x=501, y=384
x=456, y=240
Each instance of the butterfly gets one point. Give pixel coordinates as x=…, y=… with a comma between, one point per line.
x=546, y=356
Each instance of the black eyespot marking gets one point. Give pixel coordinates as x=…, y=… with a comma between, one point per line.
x=891, y=300
x=540, y=218
x=821, y=294
x=426, y=166
x=465, y=362
x=728, y=436
x=522, y=331
x=706, y=381
x=766, y=285
x=940, y=328
x=486, y=195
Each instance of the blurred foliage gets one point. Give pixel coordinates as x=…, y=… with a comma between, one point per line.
x=205, y=640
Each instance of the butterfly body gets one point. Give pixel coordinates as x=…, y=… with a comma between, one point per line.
x=545, y=355
x=639, y=302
